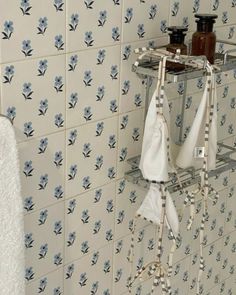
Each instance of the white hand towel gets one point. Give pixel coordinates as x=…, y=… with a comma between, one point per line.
x=11, y=215
x=195, y=137
x=152, y=206
x=154, y=159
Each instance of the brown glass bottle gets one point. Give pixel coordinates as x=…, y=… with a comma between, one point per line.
x=204, y=40
x=177, y=35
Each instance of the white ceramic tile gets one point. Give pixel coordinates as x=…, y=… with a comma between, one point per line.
x=33, y=96
x=42, y=170
x=89, y=222
x=31, y=29
x=44, y=253
x=93, y=23
x=87, y=88
x=230, y=213
x=91, y=274
x=49, y=284
x=91, y=156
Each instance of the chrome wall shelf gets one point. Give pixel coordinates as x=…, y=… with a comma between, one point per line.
x=188, y=177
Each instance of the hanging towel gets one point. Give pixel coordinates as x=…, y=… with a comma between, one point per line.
x=152, y=206
x=11, y=215
x=195, y=139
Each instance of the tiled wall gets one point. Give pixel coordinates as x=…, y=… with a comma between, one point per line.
x=67, y=85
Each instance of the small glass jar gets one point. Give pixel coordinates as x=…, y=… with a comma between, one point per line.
x=204, y=40
x=177, y=35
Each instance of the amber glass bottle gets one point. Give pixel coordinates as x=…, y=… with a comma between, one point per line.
x=177, y=35
x=204, y=40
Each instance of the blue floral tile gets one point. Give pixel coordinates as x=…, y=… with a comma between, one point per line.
x=91, y=96
x=89, y=221
x=48, y=284
x=102, y=29
x=44, y=251
x=30, y=29
x=42, y=169
x=33, y=96
x=225, y=11
x=91, y=156
x=91, y=274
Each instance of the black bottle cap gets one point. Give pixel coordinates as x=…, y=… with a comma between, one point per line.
x=177, y=29
x=204, y=17
x=177, y=34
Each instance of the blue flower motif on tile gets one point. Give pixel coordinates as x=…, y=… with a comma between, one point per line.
x=11, y=113
x=233, y=3
x=43, y=107
x=94, y=288
x=116, y=2
x=71, y=206
x=101, y=56
x=133, y=197
x=59, y=121
x=58, y=4
x=28, y=168
x=27, y=91
x=73, y=62
x=70, y=271
x=98, y=195
x=118, y=275
x=99, y=162
x=88, y=78
x=107, y=292
x=107, y=266
x=74, y=20
x=57, y=291
x=9, y=74
x=141, y=31
x=123, y=154
x=185, y=22
x=58, y=84
x=42, y=26
x=102, y=18
x=114, y=72
x=124, y=122
x=175, y=8
x=58, y=259
x=163, y=26
x=26, y=48
x=29, y=204
x=137, y=100
x=58, y=159
x=25, y=7
x=89, y=4
x=43, y=145
x=126, y=52
x=43, y=215
x=113, y=106
x=43, y=181
x=99, y=128
x=233, y=103
x=42, y=67
x=216, y=5
x=29, y=240
x=72, y=137
x=153, y=11
x=85, y=216
x=58, y=227
x=59, y=43
x=73, y=172
x=8, y=30
x=43, y=251
x=87, y=150
x=112, y=141
x=231, y=32
x=71, y=239
x=29, y=274
x=86, y=182
x=136, y=134
x=83, y=279
x=121, y=216
x=73, y=100
x=225, y=17
x=97, y=227
x=95, y=258
x=88, y=39
x=58, y=192
x=128, y=15
x=126, y=87
x=42, y=285
x=111, y=172
x=109, y=235
x=100, y=93
x=109, y=206
x=84, y=247
x=88, y=113
x=115, y=34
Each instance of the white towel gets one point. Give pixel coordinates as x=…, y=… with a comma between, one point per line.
x=195, y=137
x=152, y=206
x=11, y=215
